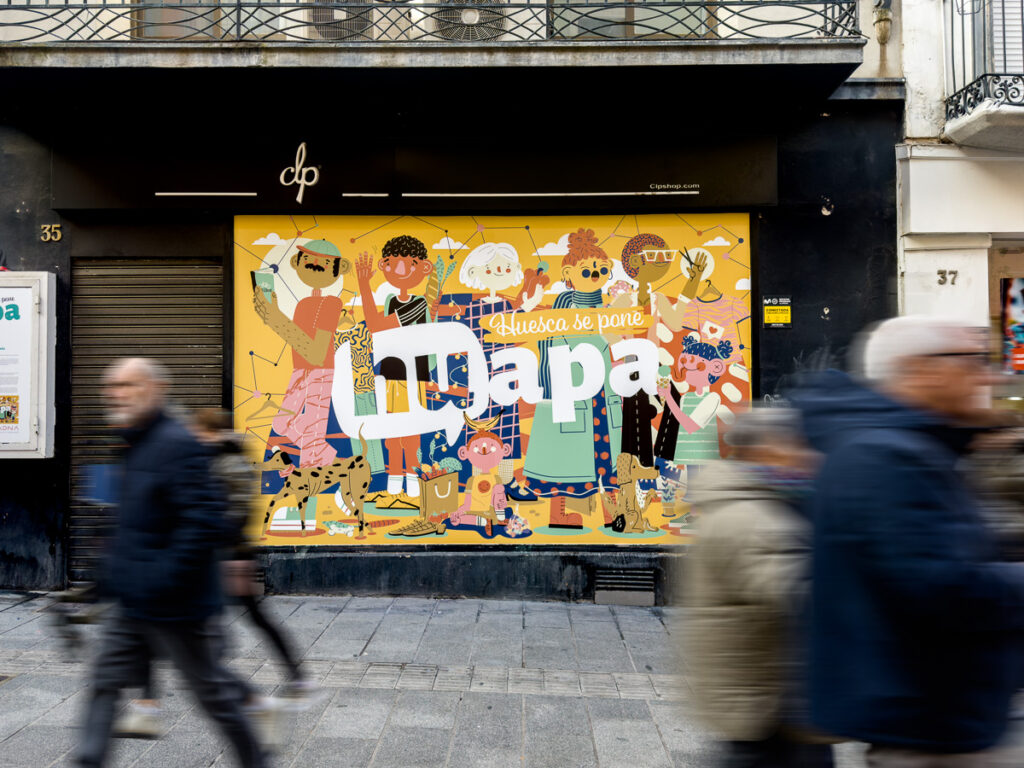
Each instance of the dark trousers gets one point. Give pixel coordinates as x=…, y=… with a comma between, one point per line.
x=777, y=751
x=259, y=619
x=193, y=647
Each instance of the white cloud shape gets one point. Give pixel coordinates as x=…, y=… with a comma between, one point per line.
x=618, y=273
x=561, y=248
x=271, y=239
x=743, y=284
x=718, y=241
x=447, y=244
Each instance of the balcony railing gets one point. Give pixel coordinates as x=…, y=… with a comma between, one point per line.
x=320, y=22
x=985, y=61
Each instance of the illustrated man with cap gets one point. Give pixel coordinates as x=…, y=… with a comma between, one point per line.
x=307, y=403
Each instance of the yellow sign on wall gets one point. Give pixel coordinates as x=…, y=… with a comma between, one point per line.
x=475, y=380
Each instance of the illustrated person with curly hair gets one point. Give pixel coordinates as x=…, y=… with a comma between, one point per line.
x=405, y=265
x=646, y=258
x=565, y=460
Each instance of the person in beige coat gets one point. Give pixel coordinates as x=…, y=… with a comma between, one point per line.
x=745, y=577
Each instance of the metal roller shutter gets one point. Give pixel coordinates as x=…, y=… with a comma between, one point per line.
x=169, y=309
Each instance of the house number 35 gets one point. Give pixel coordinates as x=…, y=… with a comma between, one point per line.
x=50, y=233
x=947, y=276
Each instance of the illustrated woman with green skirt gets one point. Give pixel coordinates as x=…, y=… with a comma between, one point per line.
x=564, y=460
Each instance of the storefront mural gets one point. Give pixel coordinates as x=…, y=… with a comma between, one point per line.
x=466, y=380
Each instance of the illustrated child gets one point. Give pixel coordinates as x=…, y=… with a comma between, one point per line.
x=405, y=265
x=485, y=492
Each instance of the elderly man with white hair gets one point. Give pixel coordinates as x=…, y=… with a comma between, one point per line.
x=162, y=568
x=915, y=629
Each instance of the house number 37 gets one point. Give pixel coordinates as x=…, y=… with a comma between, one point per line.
x=50, y=233
x=947, y=276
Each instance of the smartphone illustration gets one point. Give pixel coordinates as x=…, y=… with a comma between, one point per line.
x=264, y=279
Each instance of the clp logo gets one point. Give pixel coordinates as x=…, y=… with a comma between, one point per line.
x=296, y=174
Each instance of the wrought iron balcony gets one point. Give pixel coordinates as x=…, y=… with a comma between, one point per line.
x=328, y=22
x=985, y=73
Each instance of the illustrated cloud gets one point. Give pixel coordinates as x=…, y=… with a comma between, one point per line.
x=561, y=248
x=272, y=239
x=717, y=241
x=447, y=244
x=743, y=284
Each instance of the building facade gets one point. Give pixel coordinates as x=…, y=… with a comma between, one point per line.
x=208, y=180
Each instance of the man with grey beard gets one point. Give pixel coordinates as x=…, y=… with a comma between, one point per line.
x=163, y=566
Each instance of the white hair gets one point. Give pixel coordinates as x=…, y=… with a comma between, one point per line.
x=890, y=342
x=483, y=255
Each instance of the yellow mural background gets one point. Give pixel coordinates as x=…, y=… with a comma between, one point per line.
x=263, y=363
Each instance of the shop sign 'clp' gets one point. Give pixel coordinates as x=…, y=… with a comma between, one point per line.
x=299, y=175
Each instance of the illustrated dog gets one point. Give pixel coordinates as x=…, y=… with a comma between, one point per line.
x=628, y=510
x=352, y=475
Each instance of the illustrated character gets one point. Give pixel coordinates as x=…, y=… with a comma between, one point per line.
x=404, y=264
x=494, y=267
x=304, y=411
x=688, y=433
x=646, y=258
x=485, y=493
x=565, y=460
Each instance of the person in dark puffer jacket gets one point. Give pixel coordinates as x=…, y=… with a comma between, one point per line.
x=915, y=641
x=163, y=567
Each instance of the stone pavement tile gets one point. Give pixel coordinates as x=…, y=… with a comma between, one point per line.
x=68, y=712
x=417, y=677
x=687, y=742
x=331, y=752
x=33, y=699
x=584, y=612
x=297, y=727
x=497, y=651
x=414, y=605
x=489, y=680
x=600, y=684
x=306, y=623
x=356, y=713
x=36, y=745
x=602, y=656
x=600, y=631
x=633, y=686
x=411, y=747
x=425, y=709
x=549, y=647
x=526, y=680
x=369, y=604
x=553, y=619
x=396, y=638
x=438, y=646
x=499, y=624
x=346, y=674
x=488, y=731
x=618, y=709
x=184, y=748
x=345, y=637
x=671, y=687
x=653, y=652
x=453, y=678
x=501, y=606
x=460, y=607
x=381, y=674
x=561, y=682
x=628, y=743
x=35, y=632
x=557, y=733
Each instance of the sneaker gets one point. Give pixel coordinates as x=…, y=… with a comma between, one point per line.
x=302, y=694
x=266, y=713
x=140, y=721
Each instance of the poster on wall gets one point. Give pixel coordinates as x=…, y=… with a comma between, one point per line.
x=453, y=380
x=1012, y=292
x=17, y=342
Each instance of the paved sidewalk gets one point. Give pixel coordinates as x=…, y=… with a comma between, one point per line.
x=409, y=682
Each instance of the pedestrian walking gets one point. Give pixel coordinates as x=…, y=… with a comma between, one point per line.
x=163, y=570
x=745, y=582
x=915, y=629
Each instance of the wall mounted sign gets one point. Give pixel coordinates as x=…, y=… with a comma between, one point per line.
x=27, y=338
x=483, y=379
x=777, y=312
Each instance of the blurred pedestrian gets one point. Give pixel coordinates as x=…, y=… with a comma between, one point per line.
x=995, y=469
x=915, y=627
x=163, y=568
x=745, y=580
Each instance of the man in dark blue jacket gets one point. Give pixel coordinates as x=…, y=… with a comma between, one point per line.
x=163, y=565
x=916, y=629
